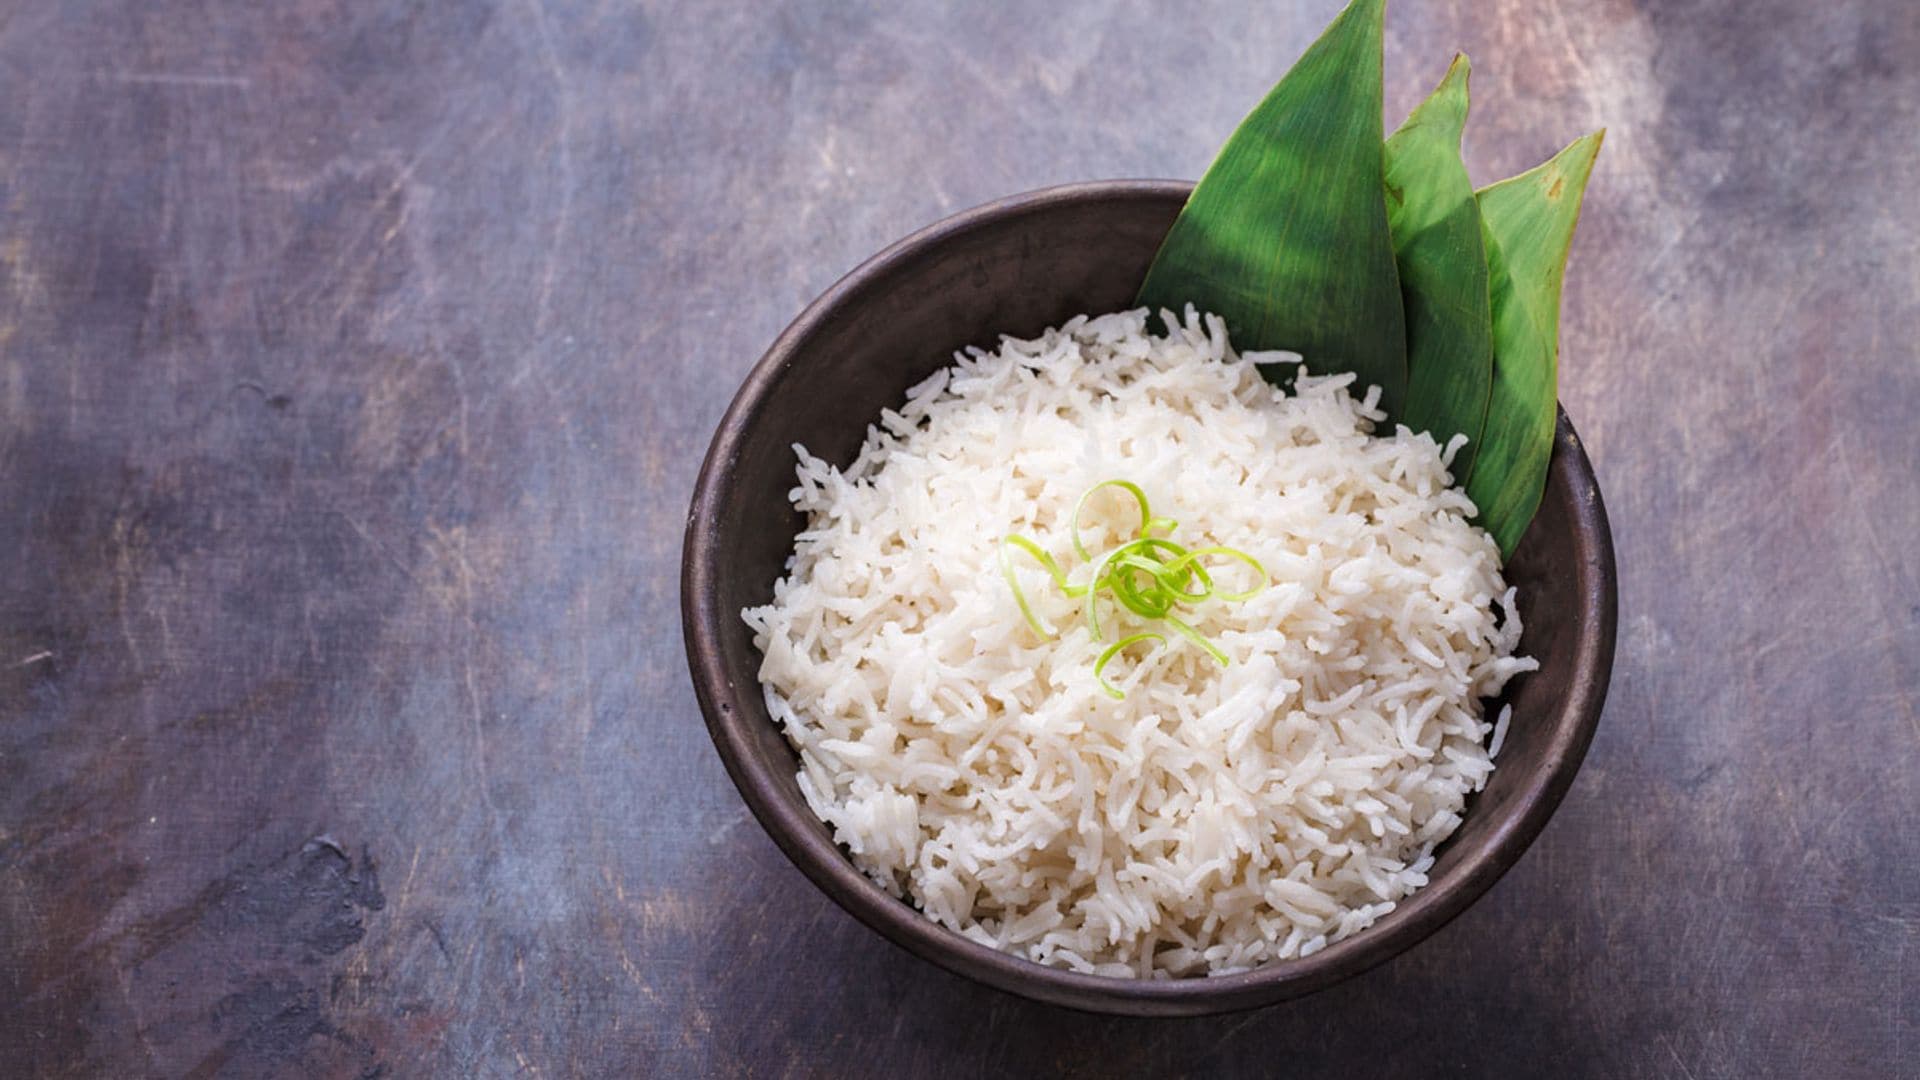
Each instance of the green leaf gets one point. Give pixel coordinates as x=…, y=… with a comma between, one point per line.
x=1529, y=222
x=1286, y=236
x=1443, y=270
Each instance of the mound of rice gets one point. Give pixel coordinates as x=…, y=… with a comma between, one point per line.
x=1217, y=817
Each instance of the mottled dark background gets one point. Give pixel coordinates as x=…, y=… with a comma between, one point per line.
x=355, y=362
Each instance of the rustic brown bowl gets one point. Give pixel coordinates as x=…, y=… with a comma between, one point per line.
x=1016, y=267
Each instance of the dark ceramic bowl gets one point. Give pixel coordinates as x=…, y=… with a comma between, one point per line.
x=1016, y=267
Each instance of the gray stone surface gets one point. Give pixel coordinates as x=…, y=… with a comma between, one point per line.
x=355, y=362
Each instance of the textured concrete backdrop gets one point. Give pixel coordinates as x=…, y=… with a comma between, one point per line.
x=355, y=362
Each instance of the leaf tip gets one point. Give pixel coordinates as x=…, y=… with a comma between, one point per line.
x=1453, y=85
x=1575, y=163
x=1587, y=147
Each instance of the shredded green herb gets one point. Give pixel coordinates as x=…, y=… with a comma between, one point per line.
x=1147, y=575
x=1100, y=665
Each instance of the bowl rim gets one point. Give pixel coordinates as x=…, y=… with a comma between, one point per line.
x=729, y=709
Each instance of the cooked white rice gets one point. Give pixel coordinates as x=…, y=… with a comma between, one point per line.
x=1215, y=818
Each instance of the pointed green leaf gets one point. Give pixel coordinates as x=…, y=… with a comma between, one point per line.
x=1529, y=222
x=1286, y=236
x=1435, y=224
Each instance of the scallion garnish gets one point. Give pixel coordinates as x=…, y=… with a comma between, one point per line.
x=1113, y=650
x=1148, y=575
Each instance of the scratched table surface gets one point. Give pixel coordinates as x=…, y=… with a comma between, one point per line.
x=356, y=360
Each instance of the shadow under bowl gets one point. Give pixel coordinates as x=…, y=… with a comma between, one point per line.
x=1016, y=267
